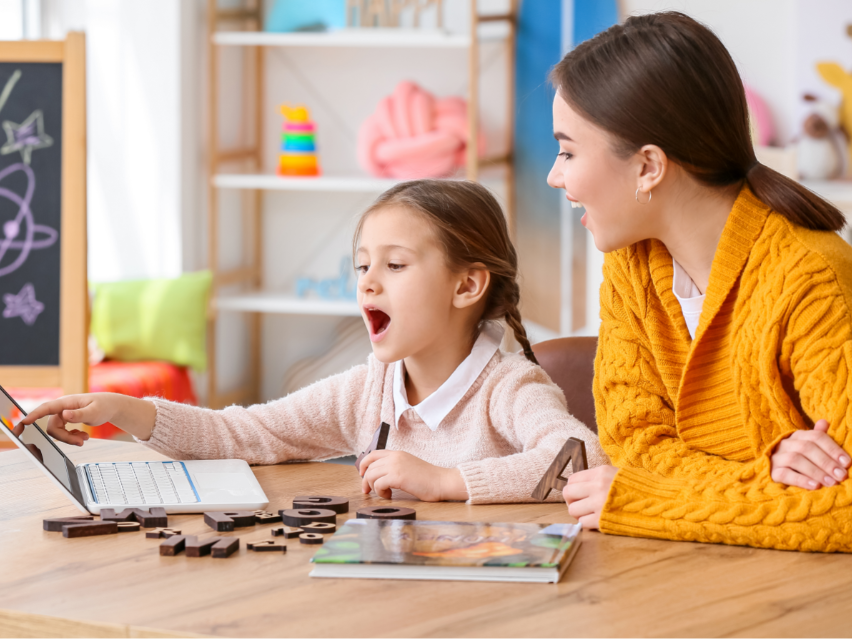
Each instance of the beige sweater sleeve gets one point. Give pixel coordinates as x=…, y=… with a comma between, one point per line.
x=528, y=410
x=317, y=422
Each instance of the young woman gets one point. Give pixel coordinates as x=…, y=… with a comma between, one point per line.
x=468, y=421
x=726, y=335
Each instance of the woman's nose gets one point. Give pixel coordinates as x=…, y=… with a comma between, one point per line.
x=554, y=178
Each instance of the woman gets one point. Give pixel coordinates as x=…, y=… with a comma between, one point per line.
x=726, y=335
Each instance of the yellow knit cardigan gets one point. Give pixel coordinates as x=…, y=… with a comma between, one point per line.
x=691, y=423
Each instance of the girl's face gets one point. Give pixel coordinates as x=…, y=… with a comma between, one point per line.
x=592, y=174
x=406, y=292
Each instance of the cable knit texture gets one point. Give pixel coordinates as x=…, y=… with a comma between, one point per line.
x=692, y=424
x=502, y=435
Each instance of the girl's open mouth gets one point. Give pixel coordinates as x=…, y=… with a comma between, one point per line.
x=379, y=321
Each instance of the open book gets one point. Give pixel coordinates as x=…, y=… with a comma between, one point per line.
x=468, y=551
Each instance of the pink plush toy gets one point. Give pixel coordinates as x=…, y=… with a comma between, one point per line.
x=762, y=129
x=413, y=135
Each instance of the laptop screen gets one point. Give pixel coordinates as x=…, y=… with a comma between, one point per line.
x=41, y=447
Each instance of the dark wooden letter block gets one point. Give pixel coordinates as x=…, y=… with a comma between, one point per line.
x=270, y=545
x=287, y=532
x=339, y=505
x=380, y=440
x=312, y=539
x=128, y=526
x=263, y=517
x=155, y=518
x=56, y=525
x=91, y=529
x=574, y=451
x=226, y=522
x=303, y=516
x=225, y=547
x=172, y=546
x=386, y=512
x=320, y=527
x=161, y=533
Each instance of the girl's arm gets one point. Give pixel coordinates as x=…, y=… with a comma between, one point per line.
x=528, y=410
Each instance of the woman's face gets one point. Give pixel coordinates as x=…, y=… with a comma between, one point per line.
x=591, y=173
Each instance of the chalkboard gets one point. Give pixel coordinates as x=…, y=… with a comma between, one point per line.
x=30, y=212
x=43, y=291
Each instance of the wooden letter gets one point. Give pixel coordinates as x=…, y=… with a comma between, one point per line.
x=286, y=531
x=154, y=518
x=161, y=533
x=128, y=526
x=225, y=547
x=380, y=440
x=320, y=527
x=91, y=529
x=226, y=522
x=263, y=517
x=386, y=512
x=303, y=516
x=337, y=504
x=574, y=451
x=270, y=545
x=56, y=525
x=172, y=546
x=311, y=538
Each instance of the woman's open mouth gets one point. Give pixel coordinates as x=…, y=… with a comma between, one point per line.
x=378, y=321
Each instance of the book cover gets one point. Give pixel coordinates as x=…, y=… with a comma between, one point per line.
x=452, y=544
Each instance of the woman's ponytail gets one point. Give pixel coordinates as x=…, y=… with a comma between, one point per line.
x=792, y=200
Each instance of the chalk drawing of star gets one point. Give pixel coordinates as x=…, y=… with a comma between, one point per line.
x=26, y=136
x=23, y=305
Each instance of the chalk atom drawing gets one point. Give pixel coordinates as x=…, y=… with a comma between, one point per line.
x=21, y=233
x=26, y=136
x=23, y=305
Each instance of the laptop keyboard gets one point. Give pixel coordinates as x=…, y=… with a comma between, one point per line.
x=141, y=483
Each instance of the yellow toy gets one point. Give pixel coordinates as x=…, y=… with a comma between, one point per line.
x=298, y=143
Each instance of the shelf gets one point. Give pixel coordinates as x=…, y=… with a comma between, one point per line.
x=323, y=183
x=365, y=37
x=284, y=303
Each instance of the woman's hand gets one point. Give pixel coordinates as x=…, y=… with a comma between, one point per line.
x=383, y=470
x=586, y=493
x=136, y=416
x=809, y=459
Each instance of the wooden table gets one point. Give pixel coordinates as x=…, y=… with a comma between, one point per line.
x=120, y=586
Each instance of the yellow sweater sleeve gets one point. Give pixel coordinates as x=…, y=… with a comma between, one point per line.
x=667, y=490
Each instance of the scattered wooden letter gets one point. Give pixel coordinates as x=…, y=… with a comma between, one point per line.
x=574, y=451
x=263, y=517
x=321, y=527
x=288, y=532
x=161, y=533
x=91, y=529
x=386, y=512
x=311, y=538
x=379, y=441
x=339, y=505
x=226, y=522
x=153, y=518
x=303, y=516
x=56, y=524
x=270, y=545
x=225, y=547
x=172, y=546
x=128, y=526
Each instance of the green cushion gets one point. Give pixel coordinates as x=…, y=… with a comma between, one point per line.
x=164, y=319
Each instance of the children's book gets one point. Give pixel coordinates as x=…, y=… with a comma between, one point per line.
x=467, y=551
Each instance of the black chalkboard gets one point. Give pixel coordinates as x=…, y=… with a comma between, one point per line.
x=30, y=212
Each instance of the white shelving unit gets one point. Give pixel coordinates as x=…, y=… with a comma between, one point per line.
x=255, y=300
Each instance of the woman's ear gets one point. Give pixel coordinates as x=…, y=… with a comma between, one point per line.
x=654, y=167
x=472, y=286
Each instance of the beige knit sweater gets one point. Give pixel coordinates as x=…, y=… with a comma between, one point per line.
x=502, y=435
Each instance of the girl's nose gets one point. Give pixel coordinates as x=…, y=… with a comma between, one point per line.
x=554, y=178
x=368, y=283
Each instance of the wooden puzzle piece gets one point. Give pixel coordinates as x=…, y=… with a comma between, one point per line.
x=321, y=527
x=311, y=538
x=288, y=532
x=226, y=522
x=153, y=518
x=269, y=545
x=263, y=517
x=303, y=516
x=91, y=529
x=379, y=441
x=574, y=451
x=161, y=533
x=56, y=524
x=386, y=512
x=339, y=505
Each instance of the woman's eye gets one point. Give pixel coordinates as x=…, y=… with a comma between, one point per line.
x=566, y=155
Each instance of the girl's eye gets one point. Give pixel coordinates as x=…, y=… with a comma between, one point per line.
x=361, y=269
x=566, y=155
x=395, y=267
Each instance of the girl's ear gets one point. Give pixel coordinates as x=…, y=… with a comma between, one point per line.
x=471, y=286
x=655, y=164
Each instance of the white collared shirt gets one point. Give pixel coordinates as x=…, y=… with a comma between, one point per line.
x=438, y=405
x=690, y=298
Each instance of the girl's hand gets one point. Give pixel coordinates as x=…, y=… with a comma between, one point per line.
x=586, y=493
x=133, y=415
x=383, y=470
x=809, y=459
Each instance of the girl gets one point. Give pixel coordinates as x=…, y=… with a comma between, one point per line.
x=726, y=307
x=468, y=421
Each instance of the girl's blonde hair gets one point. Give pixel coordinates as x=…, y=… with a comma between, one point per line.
x=470, y=226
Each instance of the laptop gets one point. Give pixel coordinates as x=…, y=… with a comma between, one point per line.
x=178, y=486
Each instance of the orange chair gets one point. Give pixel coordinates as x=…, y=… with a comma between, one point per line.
x=570, y=362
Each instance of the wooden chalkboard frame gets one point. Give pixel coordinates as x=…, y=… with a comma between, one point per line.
x=73, y=370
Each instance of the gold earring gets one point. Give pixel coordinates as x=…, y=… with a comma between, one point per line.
x=649, y=197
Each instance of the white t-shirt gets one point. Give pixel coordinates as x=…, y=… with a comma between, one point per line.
x=690, y=298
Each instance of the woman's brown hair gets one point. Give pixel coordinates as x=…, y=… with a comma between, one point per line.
x=666, y=79
x=470, y=227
